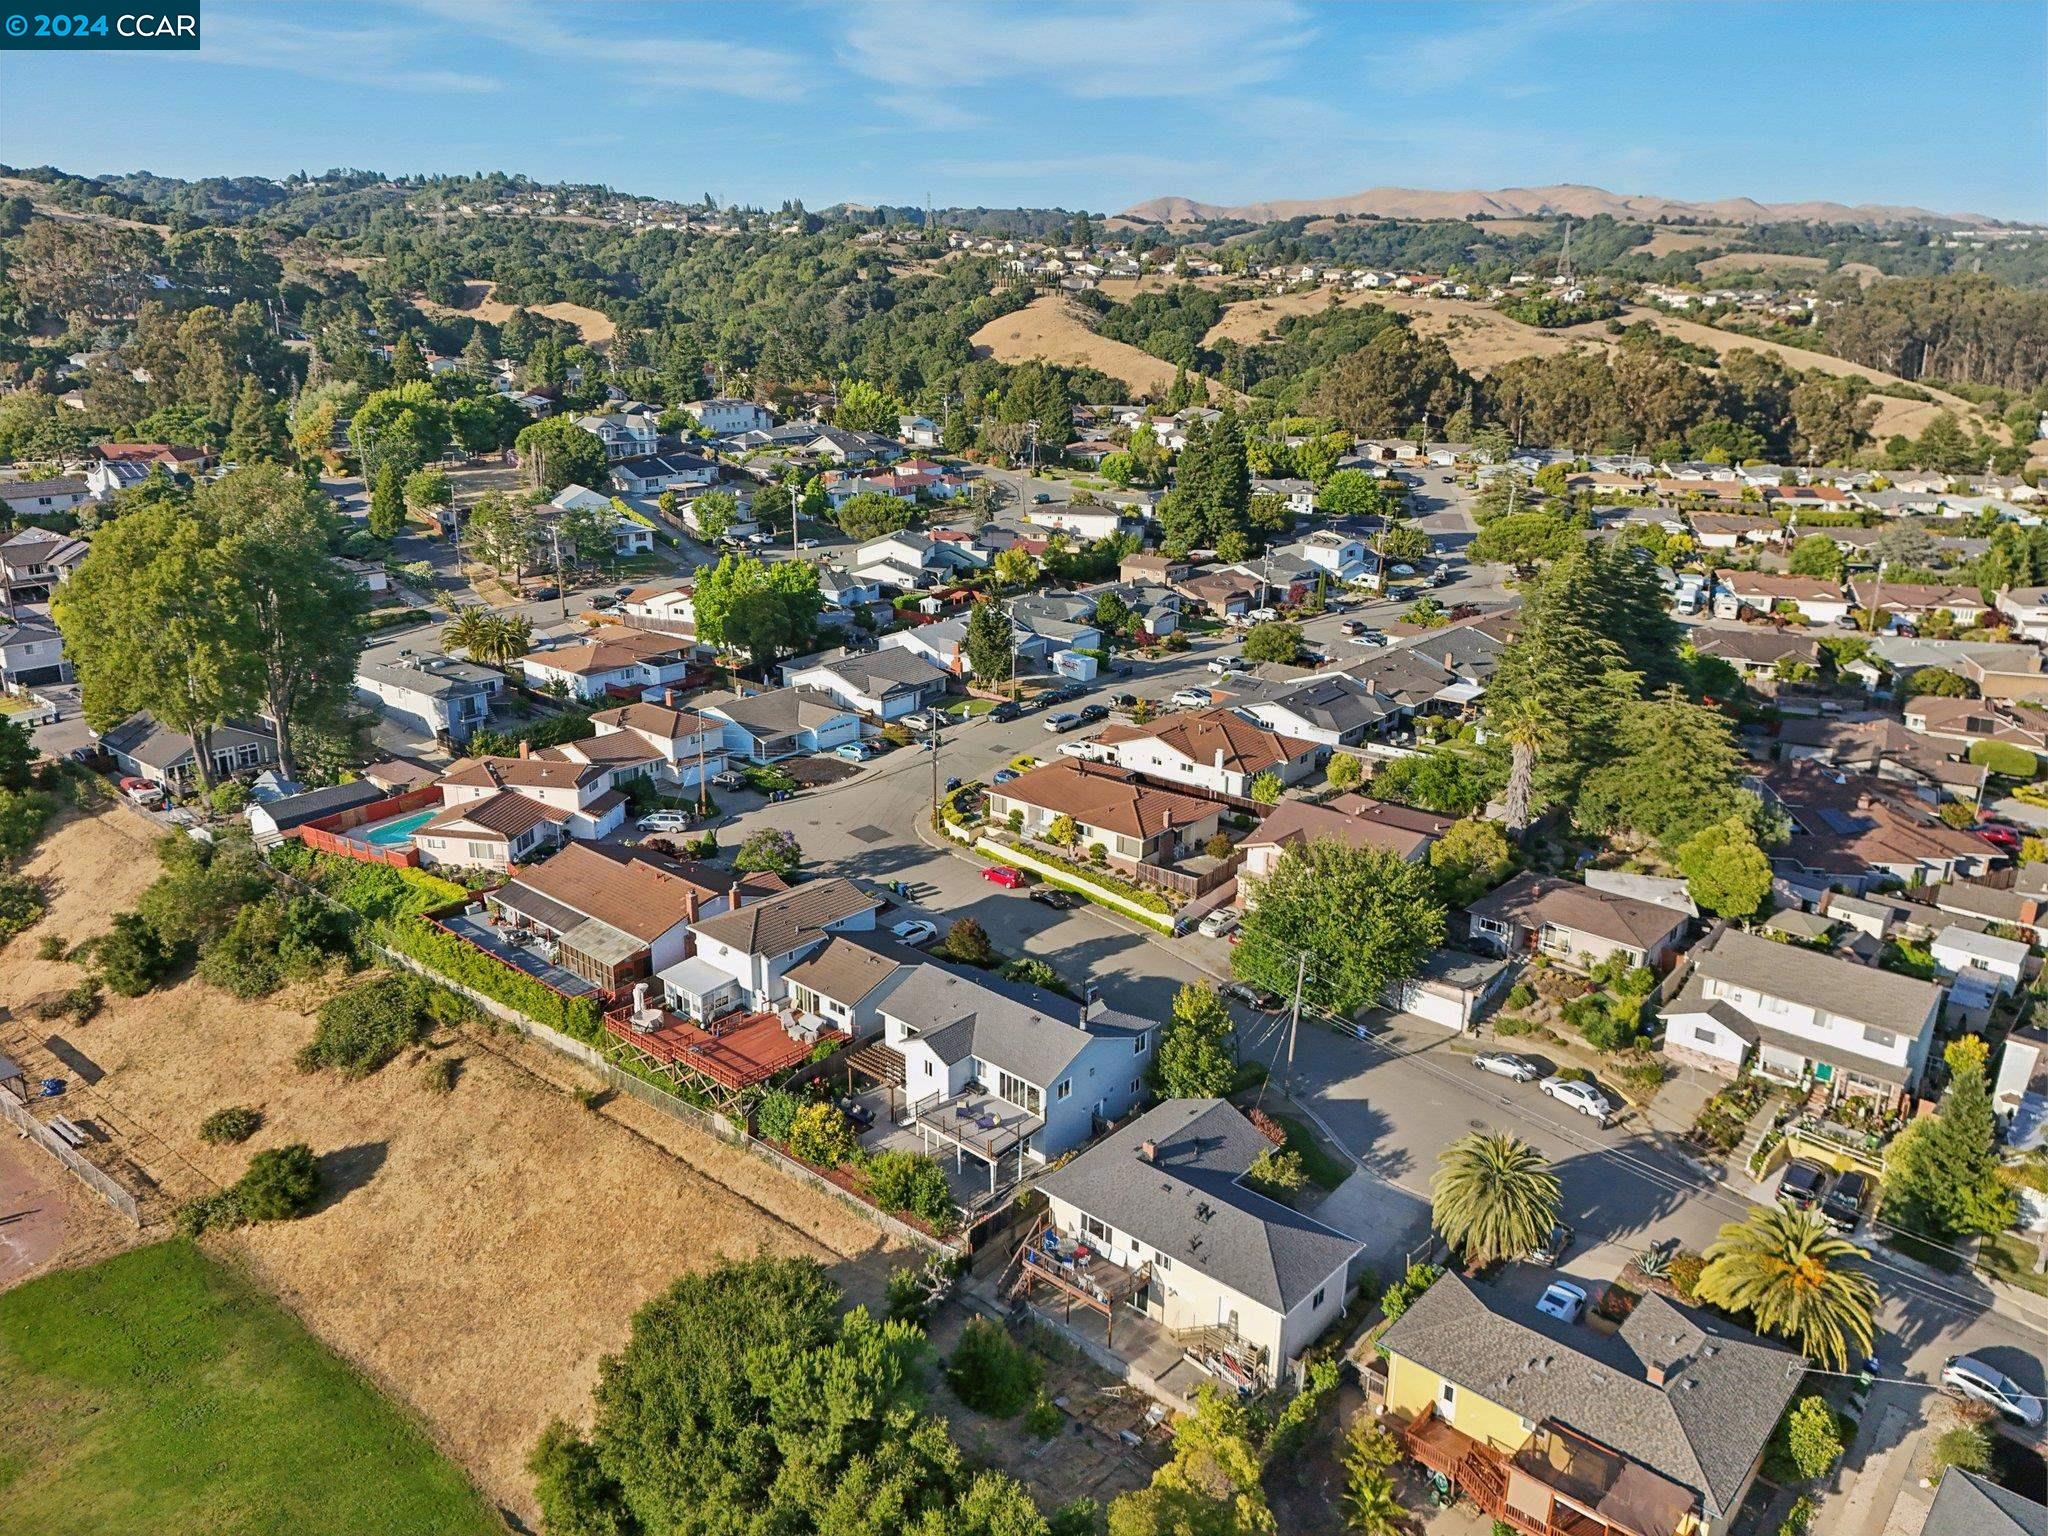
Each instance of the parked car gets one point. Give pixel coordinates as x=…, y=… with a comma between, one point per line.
x=807, y=544
x=2005, y=839
x=1090, y=713
x=1263, y=615
x=1403, y=569
x=1223, y=666
x=1086, y=750
x=602, y=601
x=142, y=792
x=1004, y=775
x=1562, y=1300
x=854, y=752
x=1009, y=878
x=1192, y=698
x=920, y=720
x=664, y=821
x=1842, y=1205
x=1124, y=700
x=1041, y=498
x=544, y=592
x=1355, y=627
x=1584, y=1097
x=1252, y=997
x=1063, y=720
x=1967, y=1376
x=729, y=780
x=1217, y=923
x=1056, y=897
x=1065, y=693
x=1523, y=1069
x=1370, y=637
x=914, y=932
x=1552, y=1248
x=1440, y=577
x=1004, y=709
x=1802, y=1184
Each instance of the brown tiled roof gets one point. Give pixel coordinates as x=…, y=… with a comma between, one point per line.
x=629, y=894
x=655, y=720
x=778, y=925
x=1245, y=747
x=659, y=589
x=1113, y=799
x=522, y=773
x=1788, y=588
x=1353, y=820
x=610, y=649
x=1532, y=900
x=612, y=748
x=504, y=813
x=1927, y=596
x=844, y=969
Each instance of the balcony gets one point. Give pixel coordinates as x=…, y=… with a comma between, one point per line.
x=1557, y=1483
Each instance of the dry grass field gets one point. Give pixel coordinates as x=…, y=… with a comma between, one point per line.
x=1052, y=330
x=595, y=328
x=476, y=1253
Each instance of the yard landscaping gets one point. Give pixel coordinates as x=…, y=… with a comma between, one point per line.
x=161, y=1390
x=496, y=1238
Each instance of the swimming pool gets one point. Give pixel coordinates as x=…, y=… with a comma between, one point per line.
x=398, y=831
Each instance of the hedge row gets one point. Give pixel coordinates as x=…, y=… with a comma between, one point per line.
x=468, y=966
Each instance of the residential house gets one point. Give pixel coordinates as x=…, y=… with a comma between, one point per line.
x=1225, y=593
x=1968, y=1505
x=1332, y=555
x=34, y=562
x=1453, y=988
x=1849, y=831
x=1817, y=601
x=1354, y=820
x=614, y=657
x=1088, y=523
x=1727, y=530
x=497, y=811
x=43, y=498
x=918, y=431
x=909, y=561
x=270, y=820
x=651, y=474
x=1757, y=650
x=105, y=481
x=1814, y=1020
x=146, y=750
x=625, y=434
x=726, y=417
x=31, y=654
x=669, y=607
x=1969, y=721
x=1655, y=1429
x=1331, y=709
x=786, y=722
x=1153, y=568
x=1133, y=822
x=943, y=645
x=1658, y=890
x=1300, y=495
x=1886, y=750
x=1979, y=967
x=1044, y=624
x=437, y=696
x=844, y=980
x=1158, y=1218
x=1064, y=1070
x=689, y=747
x=2027, y=607
x=177, y=458
x=743, y=958
x=1215, y=750
x=1996, y=671
x=1917, y=603
x=886, y=683
x=1154, y=606
x=1575, y=923
x=845, y=592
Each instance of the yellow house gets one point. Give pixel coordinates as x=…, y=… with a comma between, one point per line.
x=1559, y=1430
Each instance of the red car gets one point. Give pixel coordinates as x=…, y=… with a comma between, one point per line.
x=2006, y=839
x=1005, y=876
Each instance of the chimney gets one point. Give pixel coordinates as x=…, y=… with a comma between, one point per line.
x=1148, y=1151
x=1219, y=759
x=526, y=749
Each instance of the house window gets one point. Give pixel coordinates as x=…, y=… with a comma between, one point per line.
x=1015, y=1090
x=1161, y=1261
x=1066, y=1087
x=1875, y=1036
x=1095, y=1229
x=1138, y=1046
x=480, y=851
x=930, y=1068
x=1137, y=1083
x=1316, y=1301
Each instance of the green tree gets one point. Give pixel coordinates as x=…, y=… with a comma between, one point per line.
x=1831, y=418
x=1371, y=1507
x=1795, y=1277
x=575, y=1494
x=770, y=850
x=1942, y=1175
x=714, y=513
x=404, y=428
x=1211, y=1487
x=1273, y=641
x=427, y=491
x=871, y=515
x=1266, y=788
x=1725, y=870
x=989, y=644
x=864, y=408
x=1196, y=1058
x=1361, y=918
x=1818, y=555
x=1350, y=493
x=1524, y=540
x=556, y=453
x=1345, y=771
x=1493, y=1197
x=1470, y=859
x=1014, y=567
x=1676, y=771
x=387, y=504
x=1937, y=682
x=1813, y=1435
x=256, y=434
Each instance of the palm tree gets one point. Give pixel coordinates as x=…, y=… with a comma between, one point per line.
x=1493, y=1197
x=1788, y=1269
x=495, y=639
x=468, y=630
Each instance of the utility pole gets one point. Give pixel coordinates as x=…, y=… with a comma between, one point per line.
x=561, y=590
x=794, y=547
x=1294, y=1016
x=932, y=746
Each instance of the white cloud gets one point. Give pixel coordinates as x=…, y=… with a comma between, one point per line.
x=1153, y=50
x=1464, y=56
x=375, y=58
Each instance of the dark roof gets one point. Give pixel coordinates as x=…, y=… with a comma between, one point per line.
x=782, y=923
x=290, y=811
x=1841, y=987
x=1703, y=1428
x=1532, y=900
x=1185, y=1202
x=959, y=1016
x=779, y=712
x=1968, y=1505
x=158, y=746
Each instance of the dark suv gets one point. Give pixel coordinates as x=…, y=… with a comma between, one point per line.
x=1843, y=1205
x=1802, y=1185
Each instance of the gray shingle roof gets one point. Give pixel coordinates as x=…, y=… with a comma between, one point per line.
x=1968, y=1505
x=1185, y=1202
x=884, y=671
x=783, y=923
x=1703, y=1428
x=958, y=1017
x=1841, y=987
x=290, y=811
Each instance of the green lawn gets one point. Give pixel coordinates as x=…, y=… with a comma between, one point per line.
x=1324, y=1168
x=2010, y=1257
x=160, y=1391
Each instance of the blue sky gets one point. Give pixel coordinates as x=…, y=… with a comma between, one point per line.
x=1944, y=105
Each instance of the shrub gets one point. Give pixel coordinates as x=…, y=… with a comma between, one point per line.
x=1218, y=847
x=272, y=941
x=281, y=1183
x=913, y=1182
x=1684, y=1273
x=967, y=941
x=1276, y=1172
x=439, y=1075
x=82, y=1002
x=129, y=957
x=775, y=1114
x=1032, y=973
x=821, y=1134
x=991, y=1372
x=206, y=1212
x=1042, y=1419
x=1967, y=1445
x=1521, y=995
x=224, y=1127
x=1399, y=1295
x=1345, y=772
x=52, y=947
x=459, y=962
x=22, y=906
x=1098, y=853
x=1291, y=1428
x=363, y=1028
x=1813, y=1436
x=770, y=850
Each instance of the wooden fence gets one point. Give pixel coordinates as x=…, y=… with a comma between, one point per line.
x=94, y=1178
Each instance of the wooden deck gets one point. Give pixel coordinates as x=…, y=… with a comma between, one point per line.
x=739, y=1052
x=1511, y=1489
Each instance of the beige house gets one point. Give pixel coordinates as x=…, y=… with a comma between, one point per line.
x=1134, y=822
x=1575, y=924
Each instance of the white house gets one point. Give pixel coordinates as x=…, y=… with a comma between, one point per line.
x=725, y=417
x=1817, y=601
x=743, y=958
x=668, y=606
x=651, y=474
x=1337, y=554
x=31, y=654
x=918, y=431
x=691, y=746
x=787, y=722
x=1979, y=966
x=624, y=435
x=1812, y=1019
x=30, y=498
x=613, y=657
x=496, y=811
x=1215, y=750
x=1084, y=522
x=1158, y=1219
x=1300, y=495
x=886, y=683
